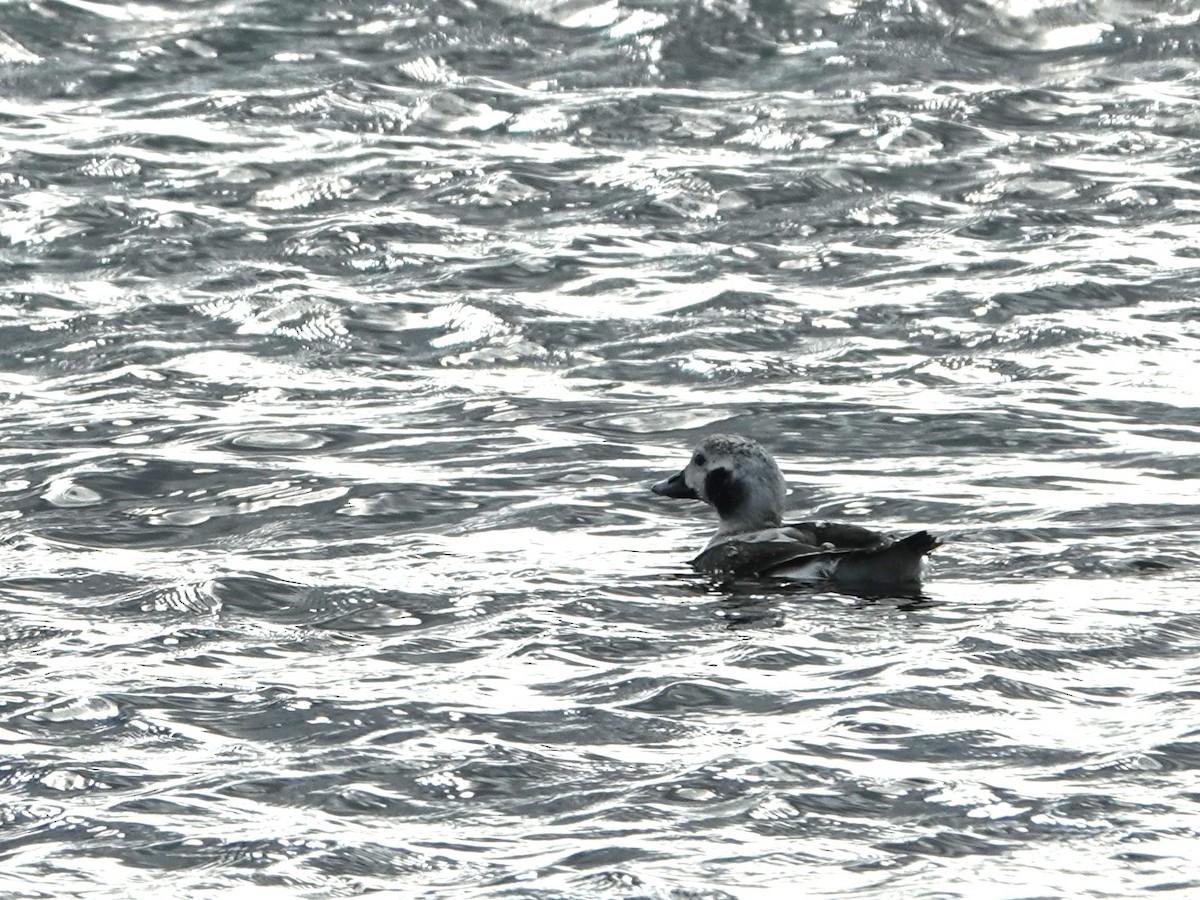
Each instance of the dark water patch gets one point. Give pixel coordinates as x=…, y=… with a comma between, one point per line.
x=1028, y=659
x=972, y=749
x=929, y=699
x=1019, y=690
x=375, y=860
x=682, y=697
x=779, y=659
x=421, y=651
x=194, y=853
x=947, y=844
x=588, y=726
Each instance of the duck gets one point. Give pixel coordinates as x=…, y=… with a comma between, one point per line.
x=738, y=478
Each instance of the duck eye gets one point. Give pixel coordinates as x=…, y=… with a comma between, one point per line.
x=699, y=459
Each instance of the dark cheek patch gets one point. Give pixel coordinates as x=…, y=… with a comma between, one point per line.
x=723, y=492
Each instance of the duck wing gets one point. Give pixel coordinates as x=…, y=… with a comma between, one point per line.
x=871, y=569
x=837, y=535
x=754, y=555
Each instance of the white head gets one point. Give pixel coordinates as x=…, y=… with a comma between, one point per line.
x=736, y=477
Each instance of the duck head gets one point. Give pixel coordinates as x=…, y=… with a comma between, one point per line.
x=735, y=476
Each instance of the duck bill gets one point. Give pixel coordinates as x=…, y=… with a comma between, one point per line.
x=675, y=487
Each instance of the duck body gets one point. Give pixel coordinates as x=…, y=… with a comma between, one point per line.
x=738, y=478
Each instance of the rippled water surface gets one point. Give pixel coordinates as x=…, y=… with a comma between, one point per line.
x=341, y=342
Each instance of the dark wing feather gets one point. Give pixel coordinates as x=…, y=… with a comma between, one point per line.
x=839, y=534
x=750, y=558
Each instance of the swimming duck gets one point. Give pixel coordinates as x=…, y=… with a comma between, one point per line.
x=739, y=479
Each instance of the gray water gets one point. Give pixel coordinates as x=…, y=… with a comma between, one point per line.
x=341, y=342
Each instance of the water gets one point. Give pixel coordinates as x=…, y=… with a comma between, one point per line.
x=341, y=343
